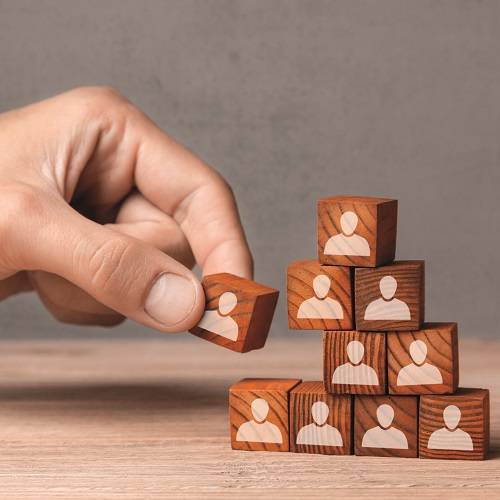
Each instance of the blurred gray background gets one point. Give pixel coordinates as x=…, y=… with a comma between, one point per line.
x=293, y=100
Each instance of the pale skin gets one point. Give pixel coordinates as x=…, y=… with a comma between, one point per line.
x=103, y=215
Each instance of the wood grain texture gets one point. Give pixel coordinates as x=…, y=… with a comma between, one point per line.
x=410, y=277
x=377, y=224
x=474, y=406
x=441, y=341
x=147, y=417
x=300, y=278
x=335, y=356
x=276, y=393
x=302, y=397
x=253, y=313
x=405, y=419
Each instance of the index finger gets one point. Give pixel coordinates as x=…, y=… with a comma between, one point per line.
x=196, y=196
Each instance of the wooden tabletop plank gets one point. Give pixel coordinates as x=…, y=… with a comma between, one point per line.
x=129, y=419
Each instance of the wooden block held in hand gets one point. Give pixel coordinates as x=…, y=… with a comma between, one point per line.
x=320, y=422
x=258, y=414
x=319, y=297
x=357, y=231
x=390, y=297
x=455, y=426
x=423, y=361
x=386, y=426
x=354, y=362
x=238, y=312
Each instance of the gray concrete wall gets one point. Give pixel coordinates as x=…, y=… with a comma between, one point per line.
x=293, y=100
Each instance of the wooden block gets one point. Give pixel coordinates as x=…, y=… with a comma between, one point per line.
x=258, y=414
x=319, y=297
x=320, y=422
x=354, y=362
x=455, y=426
x=423, y=361
x=390, y=297
x=357, y=231
x=238, y=312
x=386, y=426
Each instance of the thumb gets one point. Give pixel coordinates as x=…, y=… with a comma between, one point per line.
x=127, y=275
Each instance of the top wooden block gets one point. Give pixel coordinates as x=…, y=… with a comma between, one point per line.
x=357, y=231
x=238, y=312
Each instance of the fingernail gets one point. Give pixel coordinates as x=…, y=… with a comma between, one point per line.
x=171, y=299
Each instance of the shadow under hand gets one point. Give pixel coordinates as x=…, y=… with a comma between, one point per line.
x=125, y=397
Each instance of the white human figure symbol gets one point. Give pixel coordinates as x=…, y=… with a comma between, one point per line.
x=321, y=306
x=347, y=243
x=450, y=437
x=319, y=432
x=385, y=436
x=258, y=430
x=388, y=307
x=419, y=372
x=219, y=321
x=354, y=372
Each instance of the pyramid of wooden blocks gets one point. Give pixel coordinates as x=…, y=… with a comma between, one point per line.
x=356, y=231
x=390, y=380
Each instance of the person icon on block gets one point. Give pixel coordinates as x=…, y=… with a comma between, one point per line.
x=321, y=306
x=355, y=372
x=258, y=430
x=219, y=321
x=450, y=437
x=384, y=435
x=419, y=372
x=319, y=432
x=388, y=307
x=347, y=243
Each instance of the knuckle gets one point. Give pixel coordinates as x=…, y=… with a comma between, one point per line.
x=19, y=202
x=102, y=93
x=22, y=199
x=221, y=186
x=100, y=102
x=111, y=266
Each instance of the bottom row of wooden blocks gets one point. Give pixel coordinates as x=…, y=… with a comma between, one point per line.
x=290, y=415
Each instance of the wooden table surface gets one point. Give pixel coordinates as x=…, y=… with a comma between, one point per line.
x=144, y=419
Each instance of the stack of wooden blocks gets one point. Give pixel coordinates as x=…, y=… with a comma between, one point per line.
x=390, y=385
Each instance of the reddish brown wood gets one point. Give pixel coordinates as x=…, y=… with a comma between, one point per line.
x=276, y=393
x=474, y=420
x=335, y=358
x=441, y=343
x=405, y=420
x=377, y=223
x=300, y=277
x=302, y=397
x=253, y=313
x=410, y=289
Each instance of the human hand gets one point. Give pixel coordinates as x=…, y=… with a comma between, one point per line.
x=102, y=214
